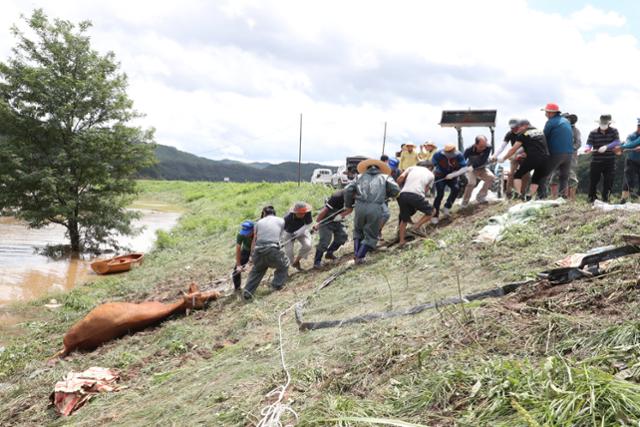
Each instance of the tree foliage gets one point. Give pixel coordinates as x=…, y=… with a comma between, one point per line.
x=67, y=155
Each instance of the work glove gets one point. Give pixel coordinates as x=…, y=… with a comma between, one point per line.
x=602, y=149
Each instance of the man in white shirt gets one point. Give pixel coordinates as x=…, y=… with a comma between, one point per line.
x=413, y=197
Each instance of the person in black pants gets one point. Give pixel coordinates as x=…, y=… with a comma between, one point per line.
x=601, y=142
x=535, y=146
x=243, y=251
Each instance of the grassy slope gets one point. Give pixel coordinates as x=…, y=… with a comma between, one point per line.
x=537, y=356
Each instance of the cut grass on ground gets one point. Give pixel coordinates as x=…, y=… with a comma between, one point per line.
x=567, y=355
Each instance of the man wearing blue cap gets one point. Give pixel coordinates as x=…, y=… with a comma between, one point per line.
x=631, y=165
x=243, y=251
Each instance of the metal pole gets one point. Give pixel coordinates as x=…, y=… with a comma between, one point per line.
x=493, y=139
x=384, y=137
x=300, y=153
x=460, y=142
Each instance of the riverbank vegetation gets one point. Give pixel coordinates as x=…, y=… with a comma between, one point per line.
x=67, y=150
x=564, y=355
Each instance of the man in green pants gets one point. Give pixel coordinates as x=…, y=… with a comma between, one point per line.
x=267, y=253
x=368, y=193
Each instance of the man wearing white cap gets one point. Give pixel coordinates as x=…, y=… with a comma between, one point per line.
x=368, y=193
x=408, y=157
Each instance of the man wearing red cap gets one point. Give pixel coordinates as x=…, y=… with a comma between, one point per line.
x=559, y=136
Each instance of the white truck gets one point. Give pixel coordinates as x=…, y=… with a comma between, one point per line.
x=347, y=172
x=321, y=176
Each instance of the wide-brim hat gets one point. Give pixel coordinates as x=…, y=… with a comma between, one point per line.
x=430, y=144
x=301, y=208
x=449, y=147
x=605, y=119
x=365, y=164
x=410, y=144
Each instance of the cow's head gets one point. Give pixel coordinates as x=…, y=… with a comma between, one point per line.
x=195, y=299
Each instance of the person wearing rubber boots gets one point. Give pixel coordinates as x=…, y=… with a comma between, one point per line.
x=368, y=193
x=331, y=229
x=244, y=240
x=267, y=253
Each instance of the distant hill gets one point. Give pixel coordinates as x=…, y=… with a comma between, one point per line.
x=174, y=164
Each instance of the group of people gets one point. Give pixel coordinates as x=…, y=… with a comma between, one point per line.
x=541, y=160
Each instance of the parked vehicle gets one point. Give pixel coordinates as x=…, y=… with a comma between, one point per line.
x=321, y=176
x=347, y=172
x=340, y=179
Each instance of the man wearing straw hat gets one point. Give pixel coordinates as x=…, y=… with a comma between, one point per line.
x=368, y=193
x=448, y=165
x=408, y=157
x=601, y=143
x=427, y=150
x=297, y=224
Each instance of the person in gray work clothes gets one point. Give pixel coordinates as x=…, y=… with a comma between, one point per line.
x=369, y=193
x=267, y=253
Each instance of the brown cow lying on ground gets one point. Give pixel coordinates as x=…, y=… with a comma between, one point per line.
x=115, y=319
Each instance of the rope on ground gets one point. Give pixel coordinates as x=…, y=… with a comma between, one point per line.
x=271, y=414
x=491, y=293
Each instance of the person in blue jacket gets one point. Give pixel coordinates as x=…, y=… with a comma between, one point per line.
x=559, y=136
x=448, y=165
x=631, y=165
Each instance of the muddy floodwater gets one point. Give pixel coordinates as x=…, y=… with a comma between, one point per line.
x=24, y=274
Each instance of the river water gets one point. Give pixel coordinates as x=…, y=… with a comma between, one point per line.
x=25, y=275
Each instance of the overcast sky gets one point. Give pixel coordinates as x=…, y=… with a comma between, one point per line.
x=229, y=79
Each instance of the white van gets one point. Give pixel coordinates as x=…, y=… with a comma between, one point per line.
x=321, y=176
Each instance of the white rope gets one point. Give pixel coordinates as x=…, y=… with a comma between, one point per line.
x=272, y=413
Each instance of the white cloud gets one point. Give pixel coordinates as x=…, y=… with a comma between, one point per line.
x=590, y=18
x=229, y=79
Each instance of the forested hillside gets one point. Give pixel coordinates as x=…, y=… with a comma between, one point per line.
x=174, y=164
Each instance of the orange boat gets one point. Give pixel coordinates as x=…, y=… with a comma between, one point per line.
x=117, y=264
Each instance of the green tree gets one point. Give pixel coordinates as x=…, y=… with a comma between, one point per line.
x=67, y=155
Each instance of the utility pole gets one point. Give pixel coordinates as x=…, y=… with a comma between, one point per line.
x=300, y=153
x=384, y=137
